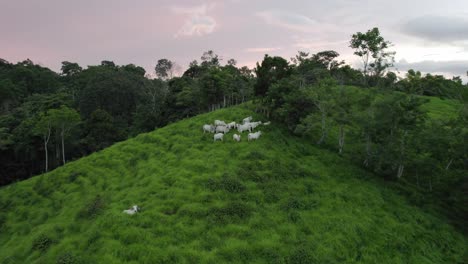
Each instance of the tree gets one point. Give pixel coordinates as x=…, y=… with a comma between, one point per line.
x=396, y=117
x=210, y=59
x=232, y=62
x=100, y=130
x=70, y=68
x=43, y=127
x=164, y=69
x=64, y=119
x=321, y=95
x=343, y=101
x=372, y=48
x=270, y=71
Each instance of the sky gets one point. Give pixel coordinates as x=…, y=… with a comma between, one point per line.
x=430, y=35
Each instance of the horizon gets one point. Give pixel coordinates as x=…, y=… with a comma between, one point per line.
x=431, y=38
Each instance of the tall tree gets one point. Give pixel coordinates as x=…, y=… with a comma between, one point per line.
x=64, y=119
x=271, y=70
x=164, y=69
x=70, y=68
x=43, y=127
x=373, y=50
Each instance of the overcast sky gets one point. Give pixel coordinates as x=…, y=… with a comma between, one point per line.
x=429, y=35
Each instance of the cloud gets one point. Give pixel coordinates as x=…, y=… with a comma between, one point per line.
x=292, y=21
x=447, y=68
x=262, y=50
x=198, y=22
x=438, y=28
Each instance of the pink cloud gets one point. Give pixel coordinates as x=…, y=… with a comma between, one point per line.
x=198, y=23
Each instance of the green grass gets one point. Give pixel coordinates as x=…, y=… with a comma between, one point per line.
x=276, y=200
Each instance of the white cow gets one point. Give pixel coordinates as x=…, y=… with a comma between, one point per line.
x=219, y=123
x=253, y=125
x=231, y=125
x=236, y=137
x=253, y=136
x=132, y=211
x=247, y=120
x=222, y=129
x=218, y=136
x=267, y=123
x=244, y=127
x=208, y=128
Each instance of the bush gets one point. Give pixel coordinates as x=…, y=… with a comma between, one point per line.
x=92, y=209
x=41, y=188
x=42, y=243
x=231, y=213
x=227, y=183
x=293, y=204
x=73, y=176
x=67, y=258
x=300, y=256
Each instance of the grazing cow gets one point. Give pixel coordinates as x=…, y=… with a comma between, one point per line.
x=222, y=129
x=208, y=128
x=132, y=211
x=253, y=125
x=244, y=127
x=236, y=137
x=219, y=123
x=247, y=120
x=253, y=136
x=218, y=136
x=231, y=125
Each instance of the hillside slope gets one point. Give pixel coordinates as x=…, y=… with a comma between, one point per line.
x=276, y=200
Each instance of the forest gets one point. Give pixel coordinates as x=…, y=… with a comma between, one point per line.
x=373, y=116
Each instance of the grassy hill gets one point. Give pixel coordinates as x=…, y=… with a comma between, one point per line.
x=277, y=200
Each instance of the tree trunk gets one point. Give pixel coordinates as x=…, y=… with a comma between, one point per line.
x=63, y=147
x=448, y=165
x=368, y=150
x=341, y=139
x=401, y=168
x=324, y=127
x=46, y=142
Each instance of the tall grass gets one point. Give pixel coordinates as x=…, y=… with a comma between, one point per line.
x=275, y=200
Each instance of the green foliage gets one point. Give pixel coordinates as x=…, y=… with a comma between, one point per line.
x=93, y=208
x=372, y=48
x=42, y=243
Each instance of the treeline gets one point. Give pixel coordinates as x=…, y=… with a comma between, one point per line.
x=47, y=118
x=376, y=120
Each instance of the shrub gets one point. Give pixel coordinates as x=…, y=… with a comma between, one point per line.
x=227, y=183
x=300, y=256
x=73, y=176
x=92, y=209
x=293, y=204
x=67, y=258
x=41, y=188
x=42, y=243
x=231, y=213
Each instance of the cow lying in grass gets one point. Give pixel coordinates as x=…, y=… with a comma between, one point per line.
x=132, y=211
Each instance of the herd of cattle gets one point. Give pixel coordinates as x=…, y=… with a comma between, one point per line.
x=220, y=128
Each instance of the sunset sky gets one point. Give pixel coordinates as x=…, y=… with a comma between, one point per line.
x=431, y=36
